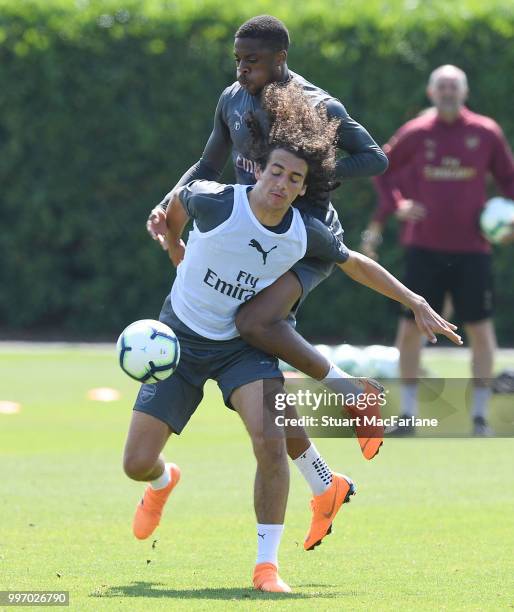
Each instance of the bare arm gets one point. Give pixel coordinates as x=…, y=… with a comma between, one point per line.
x=176, y=220
x=367, y=272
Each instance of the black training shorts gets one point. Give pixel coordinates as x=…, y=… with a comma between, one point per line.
x=467, y=277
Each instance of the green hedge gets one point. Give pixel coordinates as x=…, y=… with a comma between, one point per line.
x=103, y=105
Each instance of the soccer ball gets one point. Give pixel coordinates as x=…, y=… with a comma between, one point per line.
x=496, y=219
x=148, y=351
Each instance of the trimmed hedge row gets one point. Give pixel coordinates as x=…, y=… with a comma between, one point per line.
x=103, y=105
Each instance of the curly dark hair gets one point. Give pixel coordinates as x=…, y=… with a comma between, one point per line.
x=297, y=126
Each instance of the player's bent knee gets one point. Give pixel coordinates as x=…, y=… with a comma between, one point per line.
x=137, y=467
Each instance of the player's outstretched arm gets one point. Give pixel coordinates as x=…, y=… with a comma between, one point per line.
x=368, y=272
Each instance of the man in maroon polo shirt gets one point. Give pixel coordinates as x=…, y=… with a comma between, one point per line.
x=436, y=185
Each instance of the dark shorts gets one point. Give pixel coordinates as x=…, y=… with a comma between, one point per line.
x=309, y=270
x=467, y=277
x=231, y=363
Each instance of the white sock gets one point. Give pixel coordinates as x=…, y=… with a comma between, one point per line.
x=341, y=382
x=163, y=480
x=480, y=400
x=314, y=469
x=409, y=399
x=268, y=541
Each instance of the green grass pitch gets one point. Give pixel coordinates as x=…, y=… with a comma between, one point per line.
x=431, y=526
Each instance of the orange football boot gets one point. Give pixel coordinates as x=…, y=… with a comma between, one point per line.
x=370, y=435
x=325, y=507
x=149, y=510
x=266, y=578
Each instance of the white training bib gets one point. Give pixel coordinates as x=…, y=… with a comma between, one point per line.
x=227, y=266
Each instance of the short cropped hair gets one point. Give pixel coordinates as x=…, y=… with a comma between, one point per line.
x=266, y=28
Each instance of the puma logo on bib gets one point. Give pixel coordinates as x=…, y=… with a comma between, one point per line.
x=256, y=245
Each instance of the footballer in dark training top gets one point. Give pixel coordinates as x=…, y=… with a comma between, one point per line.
x=230, y=134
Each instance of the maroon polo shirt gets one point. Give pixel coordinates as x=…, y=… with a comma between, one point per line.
x=444, y=166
